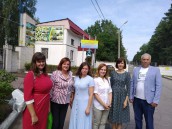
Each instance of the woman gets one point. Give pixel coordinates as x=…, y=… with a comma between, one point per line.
x=61, y=92
x=103, y=97
x=81, y=114
x=37, y=86
x=120, y=83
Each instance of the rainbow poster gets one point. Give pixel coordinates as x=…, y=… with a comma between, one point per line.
x=89, y=44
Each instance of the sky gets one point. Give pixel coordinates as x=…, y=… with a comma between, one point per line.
x=143, y=16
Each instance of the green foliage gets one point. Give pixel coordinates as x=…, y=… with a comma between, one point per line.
x=160, y=44
x=5, y=84
x=106, y=34
x=27, y=66
x=9, y=20
x=51, y=68
x=88, y=60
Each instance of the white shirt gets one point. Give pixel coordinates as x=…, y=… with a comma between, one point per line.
x=102, y=88
x=140, y=83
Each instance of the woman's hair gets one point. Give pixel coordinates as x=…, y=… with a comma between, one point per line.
x=99, y=68
x=38, y=56
x=63, y=60
x=119, y=60
x=78, y=73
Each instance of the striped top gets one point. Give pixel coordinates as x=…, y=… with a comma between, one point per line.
x=62, y=87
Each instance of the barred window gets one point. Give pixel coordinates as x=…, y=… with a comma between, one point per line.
x=71, y=54
x=45, y=52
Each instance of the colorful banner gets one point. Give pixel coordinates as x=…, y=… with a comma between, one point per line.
x=49, y=33
x=30, y=34
x=89, y=44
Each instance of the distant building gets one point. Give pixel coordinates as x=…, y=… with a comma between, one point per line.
x=58, y=39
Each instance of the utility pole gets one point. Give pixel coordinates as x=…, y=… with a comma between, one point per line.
x=119, y=38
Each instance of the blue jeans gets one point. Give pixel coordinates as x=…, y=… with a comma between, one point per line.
x=141, y=107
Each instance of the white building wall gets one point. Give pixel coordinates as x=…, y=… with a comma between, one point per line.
x=81, y=57
x=166, y=70
x=24, y=55
x=58, y=50
x=55, y=52
x=15, y=61
x=77, y=39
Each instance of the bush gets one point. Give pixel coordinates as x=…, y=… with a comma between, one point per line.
x=5, y=85
x=27, y=66
x=51, y=68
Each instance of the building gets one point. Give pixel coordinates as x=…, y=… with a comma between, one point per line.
x=58, y=39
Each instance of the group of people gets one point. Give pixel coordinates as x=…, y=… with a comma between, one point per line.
x=99, y=97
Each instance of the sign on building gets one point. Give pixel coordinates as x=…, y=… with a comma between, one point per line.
x=49, y=33
x=93, y=44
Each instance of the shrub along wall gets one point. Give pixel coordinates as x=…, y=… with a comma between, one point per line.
x=51, y=68
x=5, y=93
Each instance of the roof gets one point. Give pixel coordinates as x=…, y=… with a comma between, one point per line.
x=72, y=26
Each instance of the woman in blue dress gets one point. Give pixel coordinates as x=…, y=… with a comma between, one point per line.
x=81, y=113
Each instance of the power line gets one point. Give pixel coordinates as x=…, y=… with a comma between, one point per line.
x=100, y=9
x=96, y=9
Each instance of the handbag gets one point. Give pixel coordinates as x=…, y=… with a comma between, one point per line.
x=18, y=100
x=49, y=121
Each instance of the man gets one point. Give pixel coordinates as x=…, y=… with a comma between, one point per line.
x=145, y=91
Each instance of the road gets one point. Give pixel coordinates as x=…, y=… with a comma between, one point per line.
x=163, y=113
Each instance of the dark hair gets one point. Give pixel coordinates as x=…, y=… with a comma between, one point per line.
x=37, y=57
x=119, y=60
x=65, y=59
x=98, y=69
x=78, y=73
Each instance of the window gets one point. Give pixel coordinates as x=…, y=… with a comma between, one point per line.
x=45, y=52
x=72, y=42
x=71, y=55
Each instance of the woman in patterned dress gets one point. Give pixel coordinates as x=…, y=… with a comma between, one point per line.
x=37, y=86
x=120, y=83
x=81, y=113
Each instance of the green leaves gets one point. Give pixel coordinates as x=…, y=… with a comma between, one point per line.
x=9, y=20
x=5, y=84
x=160, y=44
x=106, y=33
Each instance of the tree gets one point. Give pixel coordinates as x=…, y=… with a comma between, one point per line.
x=106, y=34
x=9, y=23
x=160, y=44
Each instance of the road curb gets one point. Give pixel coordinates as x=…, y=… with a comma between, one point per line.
x=167, y=77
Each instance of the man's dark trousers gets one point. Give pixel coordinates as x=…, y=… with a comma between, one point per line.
x=141, y=107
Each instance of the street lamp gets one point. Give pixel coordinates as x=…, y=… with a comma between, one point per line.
x=119, y=38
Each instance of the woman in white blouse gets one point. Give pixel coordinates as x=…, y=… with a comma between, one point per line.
x=103, y=97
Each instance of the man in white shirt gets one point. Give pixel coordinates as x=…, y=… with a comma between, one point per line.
x=145, y=91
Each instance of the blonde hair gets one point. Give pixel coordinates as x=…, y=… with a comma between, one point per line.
x=98, y=69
